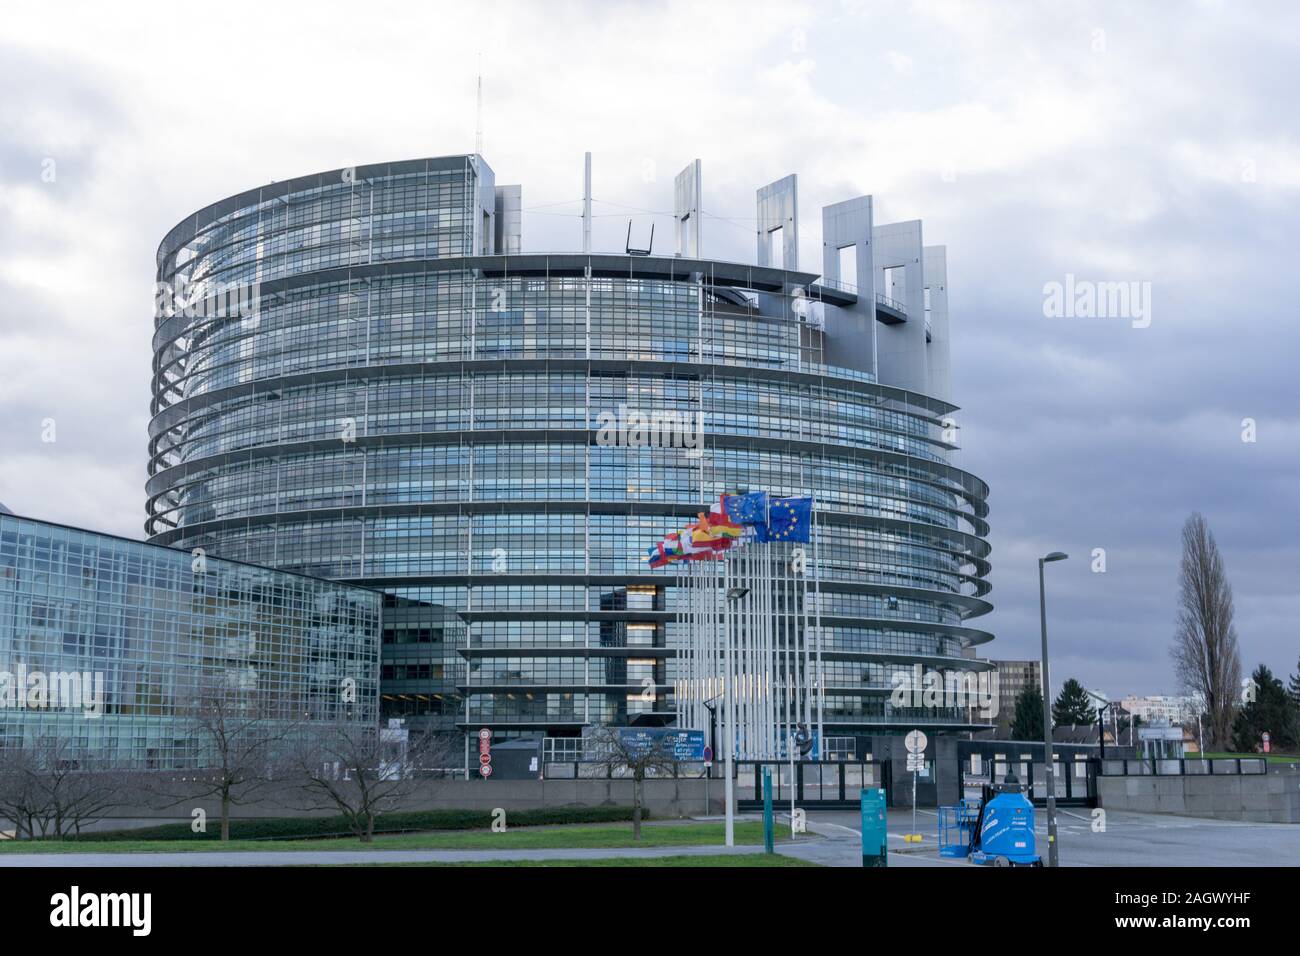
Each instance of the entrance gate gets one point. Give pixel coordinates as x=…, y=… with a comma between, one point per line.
x=1076, y=780
x=817, y=784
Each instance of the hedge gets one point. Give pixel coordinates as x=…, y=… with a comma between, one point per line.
x=299, y=828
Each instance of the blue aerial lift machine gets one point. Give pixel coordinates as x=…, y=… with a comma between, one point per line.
x=998, y=830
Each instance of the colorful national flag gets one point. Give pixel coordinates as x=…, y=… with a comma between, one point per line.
x=716, y=525
x=659, y=556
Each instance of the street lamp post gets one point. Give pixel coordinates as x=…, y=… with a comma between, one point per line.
x=1049, y=759
x=713, y=746
x=713, y=731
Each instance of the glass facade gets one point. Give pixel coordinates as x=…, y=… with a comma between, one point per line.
x=408, y=411
x=105, y=642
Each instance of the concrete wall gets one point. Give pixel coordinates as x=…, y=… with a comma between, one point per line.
x=902, y=357
x=778, y=206
x=1273, y=797
x=850, y=331
x=939, y=371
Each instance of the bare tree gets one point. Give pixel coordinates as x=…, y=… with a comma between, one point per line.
x=1205, y=653
x=21, y=801
x=627, y=755
x=236, y=734
x=52, y=788
x=360, y=771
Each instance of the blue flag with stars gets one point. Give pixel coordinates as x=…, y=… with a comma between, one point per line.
x=789, y=519
x=746, y=509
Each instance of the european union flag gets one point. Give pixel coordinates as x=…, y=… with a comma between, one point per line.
x=746, y=509
x=789, y=519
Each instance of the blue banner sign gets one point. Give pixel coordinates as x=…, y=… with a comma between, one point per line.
x=684, y=745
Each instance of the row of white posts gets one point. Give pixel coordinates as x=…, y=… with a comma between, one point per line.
x=749, y=625
x=752, y=650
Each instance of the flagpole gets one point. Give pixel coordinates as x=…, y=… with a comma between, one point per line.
x=686, y=596
x=729, y=702
x=697, y=695
x=770, y=704
x=751, y=635
x=768, y=644
x=760, y=666
x=684, y=670
x=817, y=610
x=787, y=628
x=804, y=634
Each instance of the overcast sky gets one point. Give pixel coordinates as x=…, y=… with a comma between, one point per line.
x=1149, y=143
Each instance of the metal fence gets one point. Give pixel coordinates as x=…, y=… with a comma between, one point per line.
x=1184, y=767
x=822, y=784
x=1075, y=780
x=603, y=770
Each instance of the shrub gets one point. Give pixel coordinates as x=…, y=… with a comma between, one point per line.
x=406, y=821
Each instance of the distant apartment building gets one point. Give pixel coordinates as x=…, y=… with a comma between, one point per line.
x=1014, y=677
x=1160, y=709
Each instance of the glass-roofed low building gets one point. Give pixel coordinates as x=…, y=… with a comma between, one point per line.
x=108, y=644
x=363, y=375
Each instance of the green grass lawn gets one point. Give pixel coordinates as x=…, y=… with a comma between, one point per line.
x=738, y=860
x=1270, y=758
x=523, y=838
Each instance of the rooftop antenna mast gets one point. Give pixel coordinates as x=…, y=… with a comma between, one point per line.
x=478, y=113
x=586, y=203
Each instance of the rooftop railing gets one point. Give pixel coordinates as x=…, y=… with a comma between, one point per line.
x=887, y=302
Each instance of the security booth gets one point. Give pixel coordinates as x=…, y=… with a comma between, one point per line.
x=1160, y=742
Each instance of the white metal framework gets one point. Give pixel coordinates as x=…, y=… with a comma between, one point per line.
x=753, y=625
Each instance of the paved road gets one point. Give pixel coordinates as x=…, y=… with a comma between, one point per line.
x=1129, y=839
x=326, y=857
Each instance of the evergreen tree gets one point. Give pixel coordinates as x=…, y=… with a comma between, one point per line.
x=1028, y=722
x=1273, y=711
x=1294, y=687
x=1073, y=706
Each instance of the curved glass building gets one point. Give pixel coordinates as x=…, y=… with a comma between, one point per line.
x=359, y=376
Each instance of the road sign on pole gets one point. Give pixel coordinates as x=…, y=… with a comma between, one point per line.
x=485, y=752
x=915, y=742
